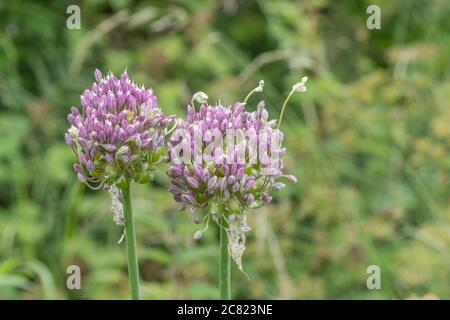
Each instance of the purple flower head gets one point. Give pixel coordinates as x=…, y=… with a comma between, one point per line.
x=231, y=175
x=228, y=160
x=118, y=131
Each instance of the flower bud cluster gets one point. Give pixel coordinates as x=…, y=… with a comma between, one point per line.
x=119, y=132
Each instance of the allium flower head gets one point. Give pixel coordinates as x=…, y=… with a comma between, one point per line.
x=228, y=160
x=118, y=131
x=229, y=175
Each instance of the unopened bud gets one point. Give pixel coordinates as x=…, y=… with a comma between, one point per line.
x=300, y=86
x=81, y=177
x=198, y=234
x=123, y=150
x=260, y=87
x=98, y=75
x=200, y=97
x=73, y=132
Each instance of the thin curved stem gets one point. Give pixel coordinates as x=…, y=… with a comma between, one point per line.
x=224, y=264
x=284, y=107
x=259, y=88
x=249, y=95
x=130, y=234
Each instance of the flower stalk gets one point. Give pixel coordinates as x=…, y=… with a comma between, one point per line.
x=130, y=235
x=224, y=263
x=298, y=87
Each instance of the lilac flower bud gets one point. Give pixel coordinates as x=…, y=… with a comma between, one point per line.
x=292, y=178
x=77, y=168
x=249, y=184
x=81, y=177
x=222, y=183
x=272, y=172
x=249, y=198
x=212, y=184
x=193, y=182
x=176, y=171
x=90, y=165
x=109, y=147
x=265, y=197
x=98, y=75
x=109, y=158
x=68, y=139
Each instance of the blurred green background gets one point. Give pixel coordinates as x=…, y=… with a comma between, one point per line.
x=369, y=142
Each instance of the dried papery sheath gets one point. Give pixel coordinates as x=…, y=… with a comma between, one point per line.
x=117, y=205
x=237, y=228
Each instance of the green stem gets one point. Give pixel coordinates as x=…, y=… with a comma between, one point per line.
x=249, y=95
x=224, y=264
x=133, y=267
x=284, y=107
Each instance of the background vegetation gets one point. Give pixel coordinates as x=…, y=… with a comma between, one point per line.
x=370, y=143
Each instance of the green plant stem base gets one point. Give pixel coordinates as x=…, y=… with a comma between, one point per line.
x=224, y=264
x=130, y=236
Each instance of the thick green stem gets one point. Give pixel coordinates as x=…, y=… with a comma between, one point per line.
x=133, y=267
x=224, y=264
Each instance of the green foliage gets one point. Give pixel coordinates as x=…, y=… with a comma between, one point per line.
x=369, y=142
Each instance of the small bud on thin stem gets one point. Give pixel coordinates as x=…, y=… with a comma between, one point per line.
x=198, y=234
x=200, y=97
x=298, y=87
x=259, y=88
